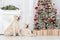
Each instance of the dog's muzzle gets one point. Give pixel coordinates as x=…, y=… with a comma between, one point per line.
x=18, y=19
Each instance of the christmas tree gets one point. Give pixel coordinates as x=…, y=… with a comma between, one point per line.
x=45, y=16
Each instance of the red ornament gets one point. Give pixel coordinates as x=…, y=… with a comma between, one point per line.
x=45, y=10
x=35, y=19
x=43, y=28
x=36, y=7
x=38, y=1
x=51, y=19
x=38, y=13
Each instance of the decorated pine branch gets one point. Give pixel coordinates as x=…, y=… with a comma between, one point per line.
x=45, y=16
x=9, y=7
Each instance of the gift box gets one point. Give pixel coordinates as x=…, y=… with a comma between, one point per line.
x=44, y=32
x=50, y=32
x=55, y=32
x=58, y=32
x=37, y=32
x=40, y=32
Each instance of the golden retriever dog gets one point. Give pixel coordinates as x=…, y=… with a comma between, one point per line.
x=26, y=31
x=13, y=28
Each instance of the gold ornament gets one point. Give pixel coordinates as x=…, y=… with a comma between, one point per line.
x=49, y=5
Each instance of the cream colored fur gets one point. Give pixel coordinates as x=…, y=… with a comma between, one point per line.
x=13, y=28
x=26, y=32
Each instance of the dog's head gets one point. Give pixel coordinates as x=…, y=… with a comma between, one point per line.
x=27, y=25
x=17, y=17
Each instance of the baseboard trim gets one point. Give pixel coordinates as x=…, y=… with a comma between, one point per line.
x=1, y=34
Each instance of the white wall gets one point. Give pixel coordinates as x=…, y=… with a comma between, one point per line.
x=25, y=6
x=27, y=9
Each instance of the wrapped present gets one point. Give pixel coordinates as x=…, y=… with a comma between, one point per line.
x=50, y=32
x=58, y=32
x=55, y=32
x=40, y=32
x=37, y=32
x=44, y=32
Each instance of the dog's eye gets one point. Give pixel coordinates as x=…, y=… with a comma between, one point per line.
x=18, y=17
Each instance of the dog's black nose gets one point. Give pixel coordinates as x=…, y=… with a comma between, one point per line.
x=18, y=18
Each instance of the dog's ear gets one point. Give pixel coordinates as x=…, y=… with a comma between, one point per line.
x=15, y=16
